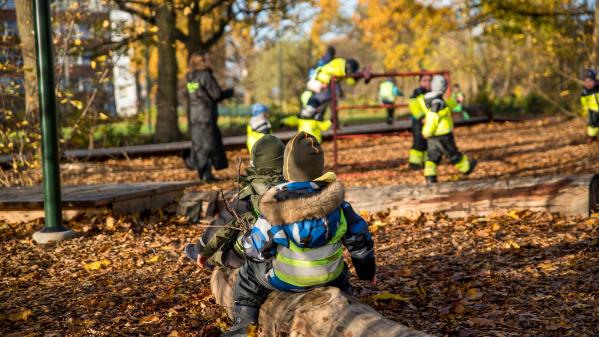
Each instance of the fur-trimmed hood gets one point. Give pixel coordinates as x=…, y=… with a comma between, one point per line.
x=312, y=206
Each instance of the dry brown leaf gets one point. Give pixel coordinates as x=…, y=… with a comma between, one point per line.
x=21, y=315
x=473, y=294
x=481, y=322
x=458, y=308
x=150, y=319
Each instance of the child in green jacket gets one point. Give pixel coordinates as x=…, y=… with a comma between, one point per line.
x=217, y=246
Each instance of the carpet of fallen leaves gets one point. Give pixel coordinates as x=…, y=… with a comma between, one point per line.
x=519, y=274
x=552, y=145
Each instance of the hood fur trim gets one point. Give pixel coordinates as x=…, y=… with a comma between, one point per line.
x=314, y=206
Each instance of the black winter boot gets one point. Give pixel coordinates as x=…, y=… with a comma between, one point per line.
x=244, y=316
x=431, y=180
x=473, y=163
x=207, y=176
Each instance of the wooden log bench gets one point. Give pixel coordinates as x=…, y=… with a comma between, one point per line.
x=574, y=195
x=322, y=312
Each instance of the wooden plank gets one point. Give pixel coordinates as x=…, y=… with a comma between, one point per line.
x=569, y=195
x=74, y=196
x=136, y=205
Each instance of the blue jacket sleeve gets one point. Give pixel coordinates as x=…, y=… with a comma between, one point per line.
x=258, y=243
x=359, y=242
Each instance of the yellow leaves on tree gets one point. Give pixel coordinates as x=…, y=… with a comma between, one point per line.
x=404, y=31
x=328, y=13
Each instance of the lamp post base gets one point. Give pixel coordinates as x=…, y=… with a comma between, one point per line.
x=42, y=237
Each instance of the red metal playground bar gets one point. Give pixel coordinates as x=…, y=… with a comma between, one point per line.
x=336, y=108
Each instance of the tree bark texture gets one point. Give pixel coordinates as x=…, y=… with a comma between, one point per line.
x=322, y=312
x=167, y=126
x=24, y=11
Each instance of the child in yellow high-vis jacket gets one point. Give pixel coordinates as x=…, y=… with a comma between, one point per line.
x=590, y=103
x=388, y=92
x=438, y=131
x=258, y=126
x=317, y=97
x=418, y=110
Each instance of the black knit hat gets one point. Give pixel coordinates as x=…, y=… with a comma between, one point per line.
x=267, y=152
x=304, y=159
x=590, y=74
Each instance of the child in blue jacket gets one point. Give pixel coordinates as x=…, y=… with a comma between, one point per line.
x=297, y=243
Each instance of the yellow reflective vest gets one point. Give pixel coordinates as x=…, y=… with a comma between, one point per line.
x=311, y=126
x=416, y=103
x=307, y=267
x=305, y=97
x=252, y=137
x=589, y=100
x=437, y=123
x=334, y=68
x=387, y=91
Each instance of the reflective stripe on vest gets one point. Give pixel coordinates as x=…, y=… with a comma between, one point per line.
x=307, y=267
x=192, y=87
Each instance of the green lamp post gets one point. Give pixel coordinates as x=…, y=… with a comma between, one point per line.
x=53, y=229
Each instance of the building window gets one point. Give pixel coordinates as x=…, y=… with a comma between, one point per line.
x=9, y=28
x=8, y=4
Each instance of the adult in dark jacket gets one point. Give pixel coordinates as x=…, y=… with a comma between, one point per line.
x=207, y=149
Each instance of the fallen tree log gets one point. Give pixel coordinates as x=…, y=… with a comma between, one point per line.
x=569, y=195
x=322, y=312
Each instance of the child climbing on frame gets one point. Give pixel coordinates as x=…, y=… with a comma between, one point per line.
x=317, y=96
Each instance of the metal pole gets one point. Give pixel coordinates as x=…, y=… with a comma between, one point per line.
x=49, y=123
x=333, y=88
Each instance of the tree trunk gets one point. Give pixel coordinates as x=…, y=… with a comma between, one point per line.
x=596, y=35
x=194, y=29
x=167, y=126
x=24, y=11
x=325, y=312
x=568, y=195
